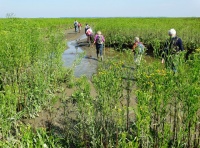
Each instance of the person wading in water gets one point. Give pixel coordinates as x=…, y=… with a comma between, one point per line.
x=99, y=41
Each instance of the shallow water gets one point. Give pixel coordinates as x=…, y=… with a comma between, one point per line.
x=88, y=63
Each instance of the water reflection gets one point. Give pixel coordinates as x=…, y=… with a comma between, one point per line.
x=88, y=64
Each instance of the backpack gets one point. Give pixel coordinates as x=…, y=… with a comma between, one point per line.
x=140, y=48
x=99, y=39
x=89, y=32
x=76, y=24
x=171, y=46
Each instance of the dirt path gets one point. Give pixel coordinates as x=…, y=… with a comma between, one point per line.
x=72, y=35
x=52, y=117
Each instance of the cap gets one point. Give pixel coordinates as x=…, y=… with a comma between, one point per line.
x=99, y=32
x=172, y=32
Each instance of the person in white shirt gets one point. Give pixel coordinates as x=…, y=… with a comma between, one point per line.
x=89, y=34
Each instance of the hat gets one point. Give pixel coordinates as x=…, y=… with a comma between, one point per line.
x=99, y=32
x=172, y=32
x=137, y=39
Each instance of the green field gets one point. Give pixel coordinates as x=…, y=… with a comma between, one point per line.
x=166, y=111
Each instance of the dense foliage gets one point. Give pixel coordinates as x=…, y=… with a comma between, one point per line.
x=143, y=106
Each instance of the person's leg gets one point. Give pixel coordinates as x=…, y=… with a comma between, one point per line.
x=89, y=40
x=168, y=62
x=79, y=29
x=135, y=58
x=175, y=63
x=101, y=51
x=139, y=59
x=97, y=50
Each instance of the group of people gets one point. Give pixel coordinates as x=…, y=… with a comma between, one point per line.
x=77, y=26
x=172, y=46
x=169, y=54
x=98, y=41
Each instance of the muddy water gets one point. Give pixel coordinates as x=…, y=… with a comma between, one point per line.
x=53, y=118
x=88, y=64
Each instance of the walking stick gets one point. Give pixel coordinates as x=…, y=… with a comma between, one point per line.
x=104, y=49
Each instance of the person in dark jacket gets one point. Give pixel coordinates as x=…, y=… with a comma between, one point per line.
x=86, y=27
x=171, y=49
x=76, y=25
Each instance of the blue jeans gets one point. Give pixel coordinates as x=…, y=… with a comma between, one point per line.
x=76, y=28
x=99, y=49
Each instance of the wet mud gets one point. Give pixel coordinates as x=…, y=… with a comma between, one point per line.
x=53, y=117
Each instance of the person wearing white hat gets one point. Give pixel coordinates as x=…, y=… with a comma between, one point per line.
x=172, y=46
x=172, y=32
x=138, y=49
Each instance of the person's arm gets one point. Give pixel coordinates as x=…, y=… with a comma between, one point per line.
x=134, y=46
x=95, y=38
x=87, y=32
x=163, y=60
x=103, y=39
x=180, y=44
